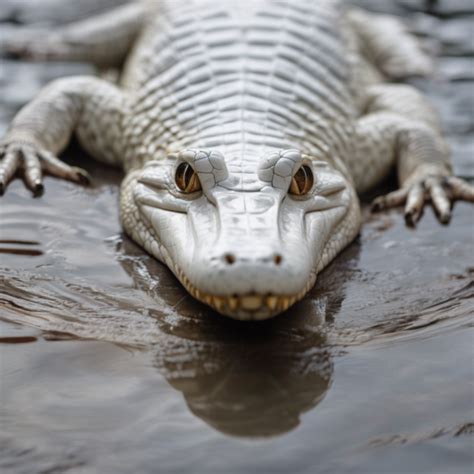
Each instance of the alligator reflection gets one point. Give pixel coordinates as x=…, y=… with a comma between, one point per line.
x=243, y=379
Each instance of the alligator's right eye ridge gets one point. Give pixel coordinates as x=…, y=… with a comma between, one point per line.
x=302, y=181
x=187, y=179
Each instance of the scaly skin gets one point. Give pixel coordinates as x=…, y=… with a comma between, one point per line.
x=247, y=96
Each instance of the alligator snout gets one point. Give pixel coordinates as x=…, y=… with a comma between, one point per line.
x=249, y=264
x=249, y=267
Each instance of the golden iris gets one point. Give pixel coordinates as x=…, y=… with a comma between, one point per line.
x=187, y=179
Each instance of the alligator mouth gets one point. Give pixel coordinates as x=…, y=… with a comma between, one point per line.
x=245, y=307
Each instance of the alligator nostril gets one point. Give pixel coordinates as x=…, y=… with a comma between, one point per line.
x=277, y=259
x=229, y=258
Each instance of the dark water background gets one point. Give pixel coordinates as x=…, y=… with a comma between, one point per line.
x=108, y=366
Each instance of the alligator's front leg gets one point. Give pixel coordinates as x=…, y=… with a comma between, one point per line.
x=400, y=126
x=91, y=107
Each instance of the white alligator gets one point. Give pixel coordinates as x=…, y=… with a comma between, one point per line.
x=246, y=131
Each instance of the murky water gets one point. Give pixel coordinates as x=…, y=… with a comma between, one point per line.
x=107, y=365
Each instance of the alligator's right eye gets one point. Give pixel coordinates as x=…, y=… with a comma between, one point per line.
x=187, y=179
x=302, y=181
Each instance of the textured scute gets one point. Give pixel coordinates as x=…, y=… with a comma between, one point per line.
x=268, y=77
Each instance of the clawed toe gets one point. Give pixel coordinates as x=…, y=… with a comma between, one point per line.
x=460, y=189
x=56, y=167
x=8, y=166
x=38, y=189
x=440, y=199
x=82, y=176
x=414, y=204
x=440, y=191
x=394, y=199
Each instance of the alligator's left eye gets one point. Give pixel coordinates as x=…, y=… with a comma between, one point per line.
x=187, y=179
x=302, y=181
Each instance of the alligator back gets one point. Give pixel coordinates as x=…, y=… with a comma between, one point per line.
x=245, y=78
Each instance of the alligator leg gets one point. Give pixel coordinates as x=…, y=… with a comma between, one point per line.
x=103, y=40
x=401, y=126
x=386, y=42
x=89, y=106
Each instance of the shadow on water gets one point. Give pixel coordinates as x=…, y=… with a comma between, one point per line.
x=257, y=383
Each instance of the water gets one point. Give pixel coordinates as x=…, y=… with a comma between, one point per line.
x=107, y=365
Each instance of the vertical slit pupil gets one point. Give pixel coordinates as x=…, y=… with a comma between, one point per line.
x=186, y=178
x=302, y=181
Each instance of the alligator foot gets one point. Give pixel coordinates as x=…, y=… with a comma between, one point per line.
x=441, y=191
x=32, y=161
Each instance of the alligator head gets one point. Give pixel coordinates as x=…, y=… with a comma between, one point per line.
x=248, y=240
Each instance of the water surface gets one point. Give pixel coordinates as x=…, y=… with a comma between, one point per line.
x=107, y=365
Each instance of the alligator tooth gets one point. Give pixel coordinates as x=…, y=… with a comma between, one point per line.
x=232, y=303
x=251, y=302
x=271, y=302
x=284, y=302
x=218, y=302
x=208, y=300
x=197, y=294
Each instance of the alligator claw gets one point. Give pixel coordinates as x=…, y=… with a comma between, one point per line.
x=441, y=191
x=32, y=161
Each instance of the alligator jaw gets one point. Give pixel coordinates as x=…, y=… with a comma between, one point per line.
x=245, y=307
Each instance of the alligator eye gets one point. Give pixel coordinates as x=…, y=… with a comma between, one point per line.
x=187, y=179
x=302, y=181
